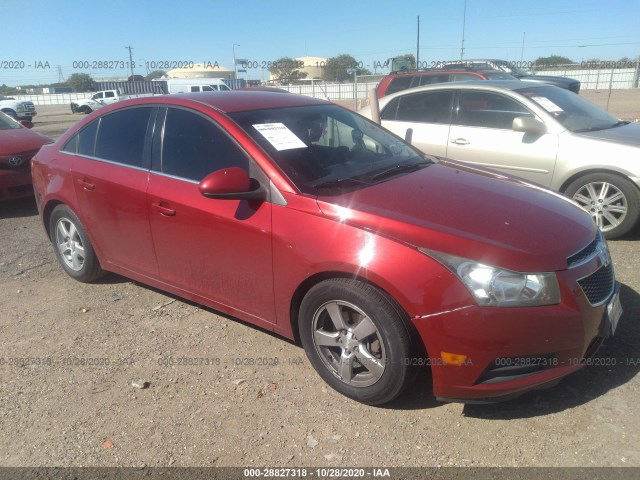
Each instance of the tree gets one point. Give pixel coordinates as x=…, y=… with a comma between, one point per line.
x=81, y=82
x=286, y=70
x=135, y=78
x=340, y=68
x=155, y=74
x=552, y=61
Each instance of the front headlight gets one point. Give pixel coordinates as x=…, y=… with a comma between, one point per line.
x=496, y=287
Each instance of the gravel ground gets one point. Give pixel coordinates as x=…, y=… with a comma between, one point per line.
x=218, y=392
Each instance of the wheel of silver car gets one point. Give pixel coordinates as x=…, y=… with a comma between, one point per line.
x=612, y=201
x=72, y=245
x=356, y=339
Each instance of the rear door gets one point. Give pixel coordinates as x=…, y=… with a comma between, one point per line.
x=217, y=249
x=481, y=133
x=111, y=184
x=428, y=114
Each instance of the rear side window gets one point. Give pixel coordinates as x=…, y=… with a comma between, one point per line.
x=193, y=146
x=122, y=135
x=426, y=107
x=83, y=142
x=429, y=79
x=399, y=83
x=461, y=77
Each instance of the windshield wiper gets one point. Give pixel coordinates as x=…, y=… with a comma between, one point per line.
x=595, y=129
x=340, y=182
x=400, y=168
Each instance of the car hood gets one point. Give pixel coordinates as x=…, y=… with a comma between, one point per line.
x=21, y=140
x=461, y=210
x=628, y=134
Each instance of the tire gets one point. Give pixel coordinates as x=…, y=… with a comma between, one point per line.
x=612, y=201
x=87, y=110
x=72, y=245
x=11, y=113
x=357, y=339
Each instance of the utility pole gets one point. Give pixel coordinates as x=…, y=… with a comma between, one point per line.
x=464, y=21
x=60, y=76
x=131, y=60
x=522, y=51
x=235, y=65
x=418, y=47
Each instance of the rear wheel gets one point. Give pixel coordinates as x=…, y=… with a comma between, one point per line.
x=11, y=113
x=357, y=340
x=612, y=201
x=72, y=245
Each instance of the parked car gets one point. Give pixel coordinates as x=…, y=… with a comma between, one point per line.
x=304, y=218
x=17, y=145
x=542, y=133
x=398, y=81
x=17, y=109
x=511, y=68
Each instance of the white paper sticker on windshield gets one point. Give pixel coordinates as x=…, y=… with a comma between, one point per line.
x=279, y=136
x=547, y=104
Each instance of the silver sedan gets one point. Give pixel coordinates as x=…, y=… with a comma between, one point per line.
x=542, y=133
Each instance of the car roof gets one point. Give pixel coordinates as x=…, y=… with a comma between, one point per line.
x=440, y=71
x=229, y=102
x=474, y=84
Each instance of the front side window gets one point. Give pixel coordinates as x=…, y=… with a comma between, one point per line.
x=122, y=134
x=193, y=146
x=109, y=94
x=488, y=109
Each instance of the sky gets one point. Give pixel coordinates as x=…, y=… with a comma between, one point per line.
x=48, y=39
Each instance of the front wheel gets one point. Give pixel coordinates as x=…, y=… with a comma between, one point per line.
x=612, y=201
x=72, y=245
x=357, y=340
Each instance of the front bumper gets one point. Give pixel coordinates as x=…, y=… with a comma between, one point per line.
x=509, y=351
x=15, y=184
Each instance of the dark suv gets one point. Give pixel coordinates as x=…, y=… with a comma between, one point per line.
x=511, y=68
x=394, y=82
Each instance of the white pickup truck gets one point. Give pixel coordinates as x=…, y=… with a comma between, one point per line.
x=18, y=109
x=102, y=98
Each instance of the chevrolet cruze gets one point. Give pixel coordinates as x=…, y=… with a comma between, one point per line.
x=308, y=220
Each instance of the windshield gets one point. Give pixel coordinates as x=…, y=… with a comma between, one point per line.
x=571, y=110
x=497, y=75
x=8, y=123
x=511, y=68
x=322, y=148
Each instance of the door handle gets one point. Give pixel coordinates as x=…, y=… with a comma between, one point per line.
x=86, y=184
x=460, y=141
x=166, y=211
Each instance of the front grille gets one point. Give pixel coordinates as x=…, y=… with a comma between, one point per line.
x=586, y=253
x=510, y=368
x=598, y=286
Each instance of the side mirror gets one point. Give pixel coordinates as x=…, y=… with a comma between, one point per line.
x=231, y=183
x=528, y=125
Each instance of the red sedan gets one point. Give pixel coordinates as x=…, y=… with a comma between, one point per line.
x=17, y=145
x=306, y=219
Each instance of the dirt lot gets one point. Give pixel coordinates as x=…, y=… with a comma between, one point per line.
x=69, y=353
